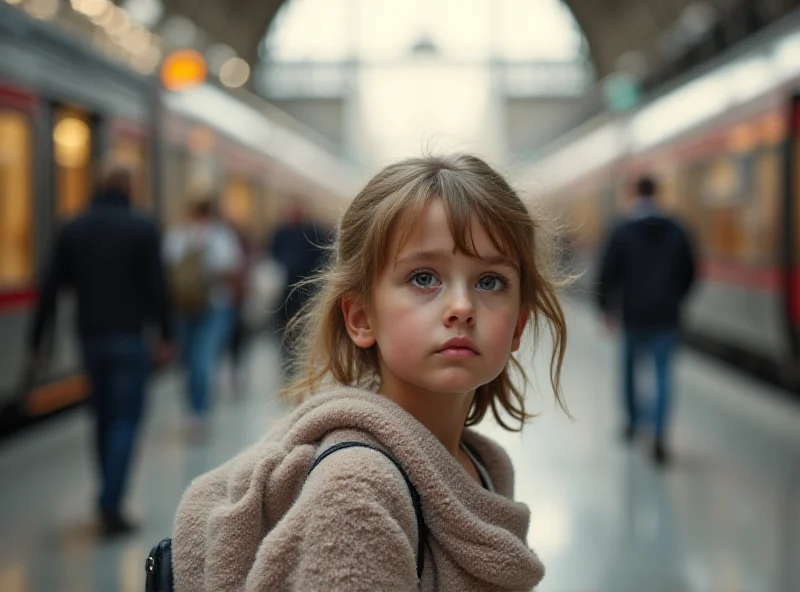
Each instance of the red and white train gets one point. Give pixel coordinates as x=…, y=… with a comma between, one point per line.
x=63, y=109
x=724, y=144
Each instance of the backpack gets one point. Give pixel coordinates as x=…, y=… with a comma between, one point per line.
x=189, y=282
x=158, y=567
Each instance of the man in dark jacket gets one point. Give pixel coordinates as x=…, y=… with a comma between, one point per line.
x=111, y=258
x=646, y=273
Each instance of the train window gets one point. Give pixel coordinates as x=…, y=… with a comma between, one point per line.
x=669, y=199
x=16, y=199
x=764, y=232
x=238, y=202
x=690, y=198
x=725, y=196
x=72, y=144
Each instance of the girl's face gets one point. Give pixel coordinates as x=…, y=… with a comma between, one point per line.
x=443, y=321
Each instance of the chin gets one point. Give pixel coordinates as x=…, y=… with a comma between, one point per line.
x=453, y=383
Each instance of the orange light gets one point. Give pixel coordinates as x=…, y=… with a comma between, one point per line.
x=183, y=69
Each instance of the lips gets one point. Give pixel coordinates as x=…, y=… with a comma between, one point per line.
x=458, y=347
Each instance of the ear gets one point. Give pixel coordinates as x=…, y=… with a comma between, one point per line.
x=356, y=320
x=522, y=322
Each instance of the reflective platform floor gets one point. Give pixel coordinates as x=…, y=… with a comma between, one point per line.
x=724, y=517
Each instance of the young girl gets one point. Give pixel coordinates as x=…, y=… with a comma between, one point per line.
x=436, y=274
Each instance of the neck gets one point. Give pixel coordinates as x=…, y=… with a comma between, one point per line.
x=112, y=196
x=443, y=414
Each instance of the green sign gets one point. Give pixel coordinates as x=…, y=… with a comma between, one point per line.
x=622, y=92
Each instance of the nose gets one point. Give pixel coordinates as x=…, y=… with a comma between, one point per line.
x=460, y=308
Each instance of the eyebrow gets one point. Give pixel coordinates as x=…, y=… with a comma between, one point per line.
x=441, y=255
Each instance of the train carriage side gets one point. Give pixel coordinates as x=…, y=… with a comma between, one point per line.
x=725, y=148
x=54, y=129
x=790, y=246
x=61, y=107
x=722, y=178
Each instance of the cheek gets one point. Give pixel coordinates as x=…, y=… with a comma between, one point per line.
x=499, y=328
x=402, y=328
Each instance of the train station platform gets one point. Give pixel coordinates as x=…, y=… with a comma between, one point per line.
x=724, y=516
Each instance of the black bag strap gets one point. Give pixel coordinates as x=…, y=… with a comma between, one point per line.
x=415, y=499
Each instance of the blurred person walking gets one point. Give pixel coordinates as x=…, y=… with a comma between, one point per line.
x=299, y=245
x=239, y=332
x=646, y=272
x=204, y=259
x=110, y=256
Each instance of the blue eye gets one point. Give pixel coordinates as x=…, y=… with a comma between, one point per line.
x=492, y=283
x=423, y=279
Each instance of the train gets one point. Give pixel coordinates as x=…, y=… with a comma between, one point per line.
x=723, y=144
x=64, y=109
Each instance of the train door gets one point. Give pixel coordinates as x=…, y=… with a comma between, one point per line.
x=17, y=229
x=791, y=220
x=74, y=145
x=16, y=200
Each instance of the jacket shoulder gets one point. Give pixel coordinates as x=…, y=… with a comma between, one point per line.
x=352, y=527
x=143, y=221
x=362, y=468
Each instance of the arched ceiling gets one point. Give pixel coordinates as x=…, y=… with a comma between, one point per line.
x=613, y=28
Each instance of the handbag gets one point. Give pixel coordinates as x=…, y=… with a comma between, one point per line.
x=158, y=568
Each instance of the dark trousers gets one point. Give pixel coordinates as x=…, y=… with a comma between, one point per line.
x=658, y=345
x=118, y=367
x=202, y=340
x=238, y=336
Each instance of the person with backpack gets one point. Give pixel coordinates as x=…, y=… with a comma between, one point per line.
x=204, y=259
x=646, y=273
x=376, y=481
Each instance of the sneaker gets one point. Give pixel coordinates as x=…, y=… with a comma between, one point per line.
x=115, y=524
x=628, y=434
x=660, y=455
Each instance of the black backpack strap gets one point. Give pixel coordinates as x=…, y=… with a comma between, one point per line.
x=415, y=499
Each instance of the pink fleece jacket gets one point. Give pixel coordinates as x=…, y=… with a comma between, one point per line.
x=257, y=522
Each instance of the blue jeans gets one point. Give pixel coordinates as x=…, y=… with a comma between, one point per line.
x=202, y=341
x=118, y=366
x=660, y=344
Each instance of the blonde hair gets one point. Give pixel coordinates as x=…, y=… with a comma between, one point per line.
x=387, y=209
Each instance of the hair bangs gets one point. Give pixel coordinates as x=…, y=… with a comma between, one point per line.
x=464, y=207
x=403, y=218
x=467, y=204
